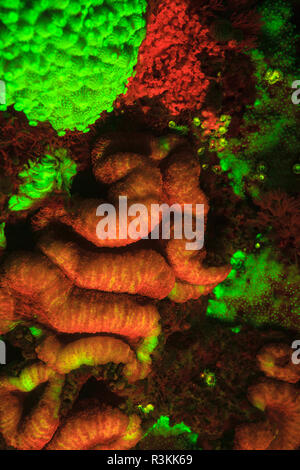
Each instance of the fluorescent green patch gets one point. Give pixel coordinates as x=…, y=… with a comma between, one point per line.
x=162, y=428
x=250, y=285
x=66, y=61
x=41, y=177
x=146, y=348
x=236, y=329
x=209, y=378
x=273, y=76
x=37, y=332
x=146, y=409
x=2, y=235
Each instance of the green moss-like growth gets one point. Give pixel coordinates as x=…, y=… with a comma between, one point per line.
x=65, y=61
x=41, y=177
x=259, y=290
x=269, y=134
x=162, y=428
x=2, y=235
x=162, y=436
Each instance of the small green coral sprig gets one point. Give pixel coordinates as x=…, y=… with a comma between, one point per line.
x=2, y=235
x=248, y=283
x=41, y=177
x=162, y=428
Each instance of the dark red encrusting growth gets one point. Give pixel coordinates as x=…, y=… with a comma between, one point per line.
x=282, y=212
x=168, y=66
x=182, y=61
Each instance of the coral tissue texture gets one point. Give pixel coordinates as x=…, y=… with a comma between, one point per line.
x=77, y=283
x=66, y=61
x=278, y=399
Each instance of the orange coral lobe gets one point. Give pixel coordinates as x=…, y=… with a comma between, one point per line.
x=86, y=429
x=275, y=361
x=74, y=310
x=188, y=265
x=141, y=271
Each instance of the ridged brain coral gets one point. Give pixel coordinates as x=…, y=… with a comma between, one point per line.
x=65, y=61
x=79, y=284
x=280, y=401
x=104, y=428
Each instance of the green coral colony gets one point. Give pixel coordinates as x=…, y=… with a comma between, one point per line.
x=68, y=70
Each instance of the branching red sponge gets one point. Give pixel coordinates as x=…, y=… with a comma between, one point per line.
x=134, y=271
x=169, y=64
x=97, y=429
x=33, y=431
x=281, y=403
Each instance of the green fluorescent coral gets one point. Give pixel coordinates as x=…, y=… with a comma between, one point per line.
x=249, y=280
x=2, y=236
x=275, y=70
x=162, y=428
x=36, y=332
x=65, y=61
x=256, y=290
x=41, y=177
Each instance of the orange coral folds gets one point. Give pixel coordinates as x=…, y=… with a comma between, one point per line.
x=92, y=427
x=254, y=436
x=182, y=291
x=281, y=403
x=7, y=311
x=181, y=186
x=127, y=441
x=275, y=361
x=134, y=176
x=181, y=181
x=75, y=283
x=73, y=310
x=188, y=265
x=279, y=400
x=92, y=351
x=29, y=378
x=38, y=427
x=135, y=271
